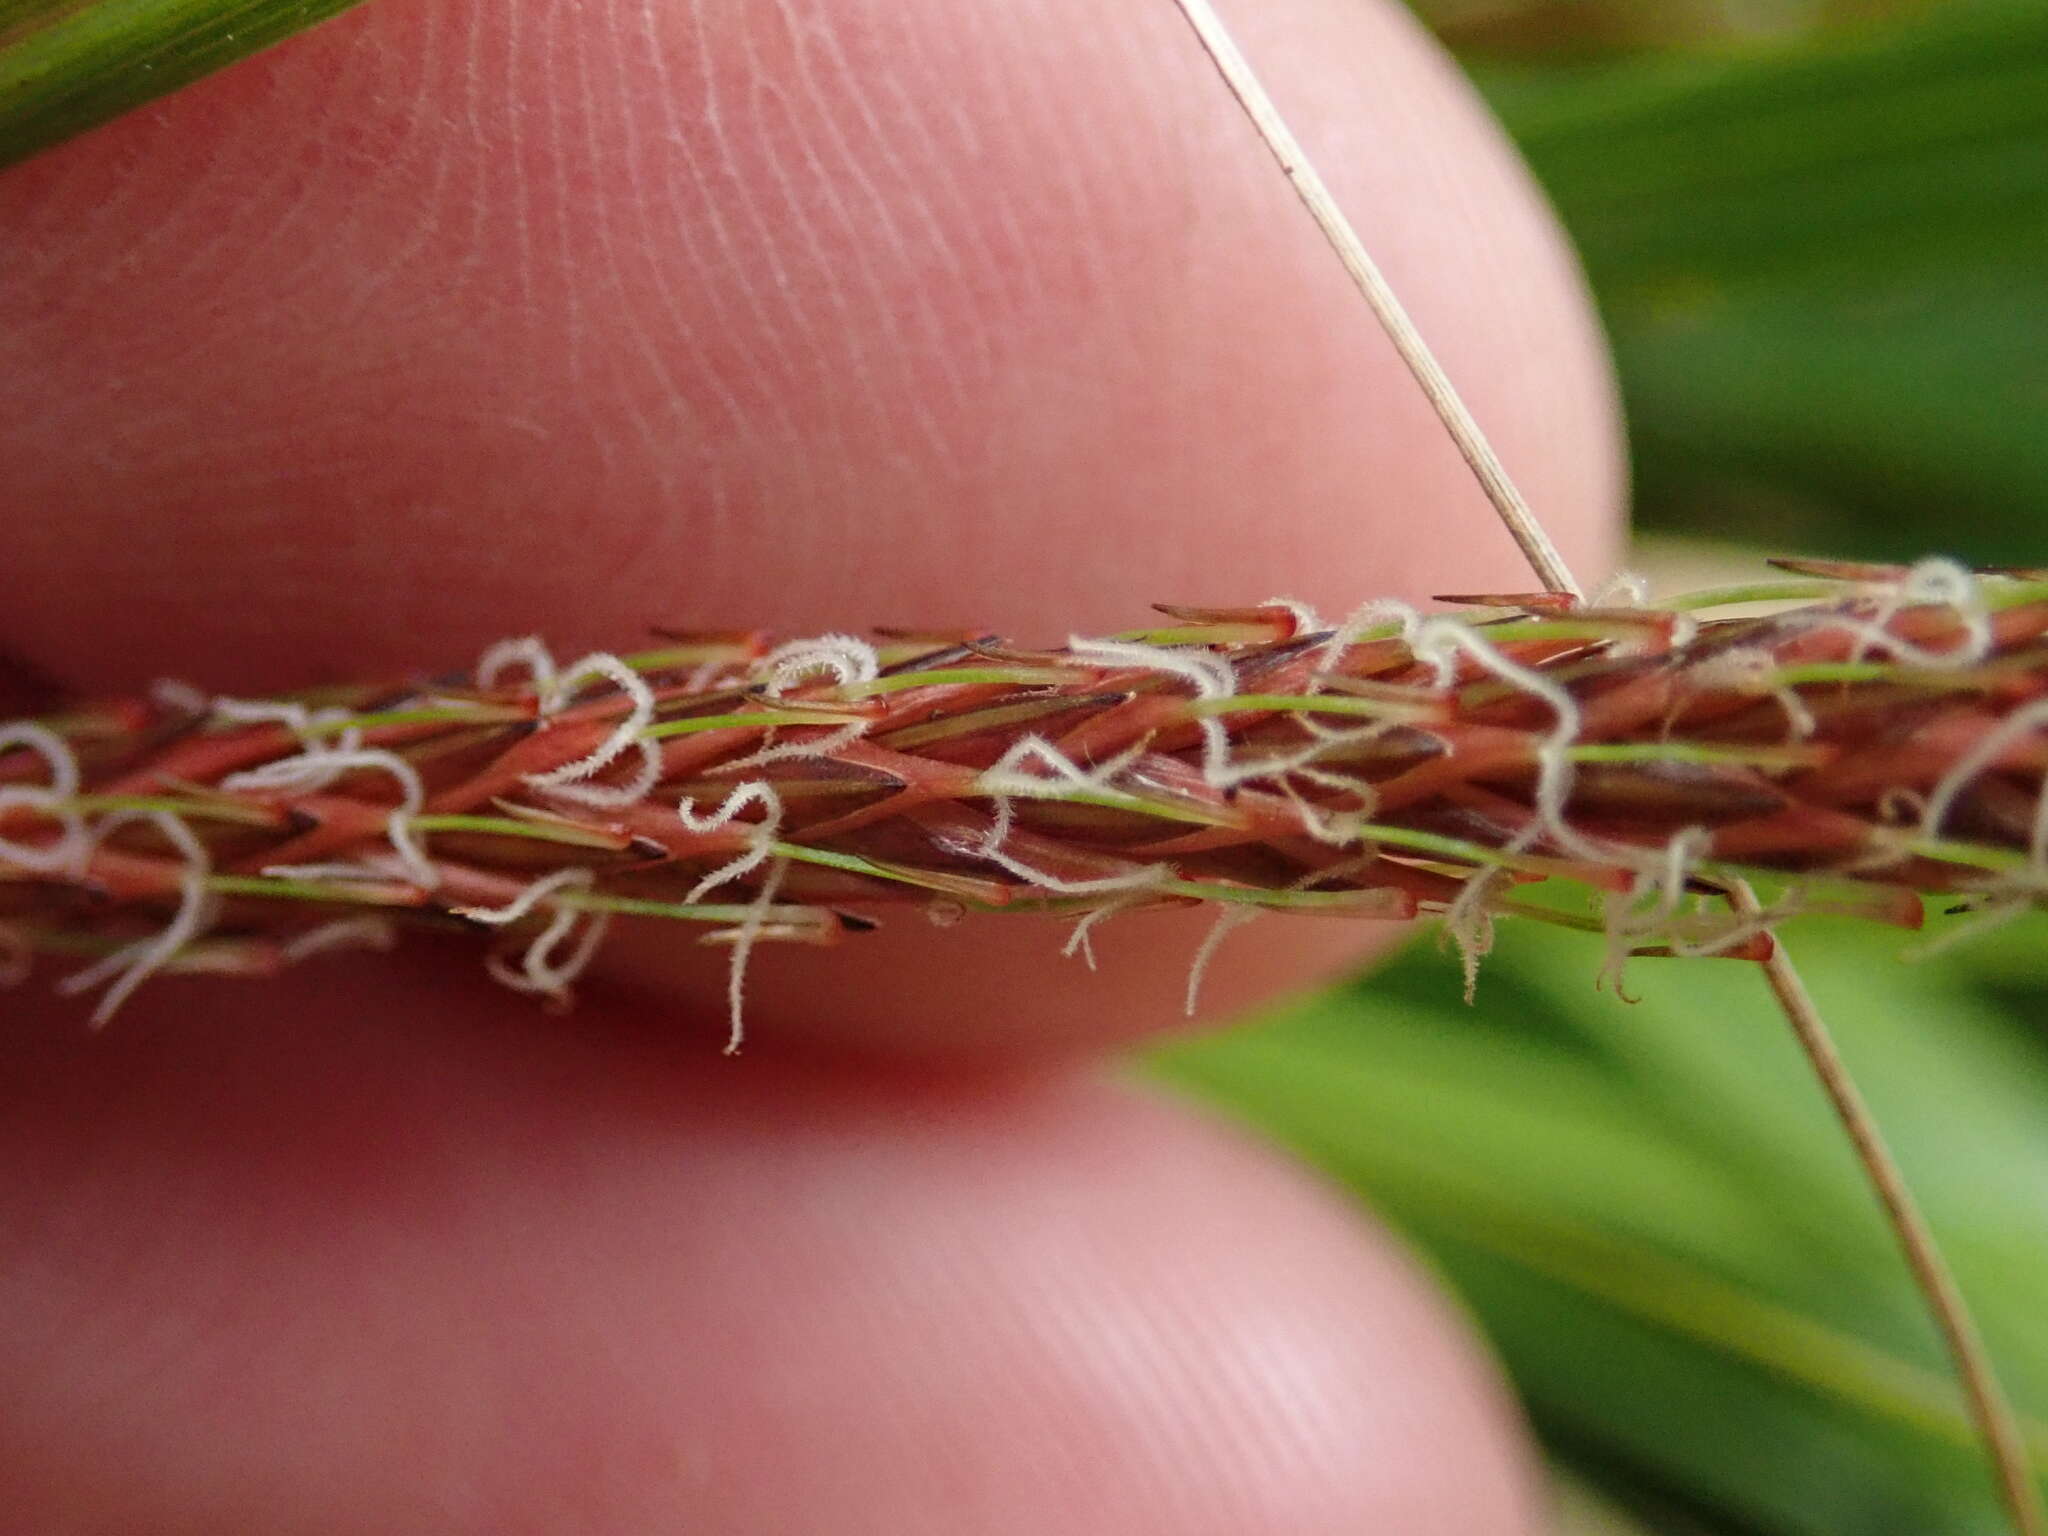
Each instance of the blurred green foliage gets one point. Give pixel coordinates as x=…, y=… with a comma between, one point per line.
x=1823, y=267
x=69, y=65
x=1659, y=1225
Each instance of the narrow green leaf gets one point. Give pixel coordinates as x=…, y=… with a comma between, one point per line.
x=66, y=66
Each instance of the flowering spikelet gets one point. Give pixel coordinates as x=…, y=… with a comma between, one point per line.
x=1886, y=737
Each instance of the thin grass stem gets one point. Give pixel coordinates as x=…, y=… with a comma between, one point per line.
x=1989, y=1408
x=1521, y=523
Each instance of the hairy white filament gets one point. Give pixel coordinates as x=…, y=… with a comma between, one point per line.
x=527, y=651
x=565, y=779
x=1624, y=589
x=532, y=896
x=73, y=845
x=761, y=835
x=1081, y=938
x=1330, y=655
x=1212, y=676
x=538, y=970
x=129, y=966
x=317, y=748
x=846, y=659
x=1006, y=778
x=1752, y=670
x=1233, y=916
x=318, y=766
x=843, y=658
x=742, y=950
x=1628, y=919
x=1940, y=583
x=1306, y=620
x=361, y=932
x=176, y=694
x=1437, y=643
x=1942, y=799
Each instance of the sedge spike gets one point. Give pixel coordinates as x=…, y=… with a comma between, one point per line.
x=1885, y=738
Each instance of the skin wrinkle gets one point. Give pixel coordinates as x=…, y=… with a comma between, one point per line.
x=569, y=294
x=764, y=414
x=1072, y=202
x=822, y=280
x=909, y=182
x=962, y=126
x=674, y=1176
x=521, y=194
x=664, y=395
x=841, y=466
x=226, y=258
x=857, y=234
x=934, y=115
x=438, y=64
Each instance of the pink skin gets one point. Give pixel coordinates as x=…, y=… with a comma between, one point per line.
x=450, y=321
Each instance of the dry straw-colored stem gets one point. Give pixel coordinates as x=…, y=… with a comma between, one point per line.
x=1522, y=525
x=1989, y=1407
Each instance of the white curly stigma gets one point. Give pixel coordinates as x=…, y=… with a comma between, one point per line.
x=1628, y=919
x=1945, y=584
x=1081, y=937
x=1006, y=780
x=1752, y=670
x=73, y=845
x=1339, y=829
x=743, y=941
x=1438, y=643
x=317, y=746
x=319, y=766
x=1939, y=583
x=180, y=697
x=1230, y=918
x=1624, y=589
x=1941, y=801
x=1469, y=925
x=1212, y=676
x=531, y=896
x=527, y=651
x=553, y=691
x=365, y=931
x=843, y=658
x=761, y=835
x=1376, y=614
x=565, y=779
x=1306, y=620
x=129, y=966
x=538, y=970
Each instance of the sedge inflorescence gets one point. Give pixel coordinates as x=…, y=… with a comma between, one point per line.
x=1881, y=734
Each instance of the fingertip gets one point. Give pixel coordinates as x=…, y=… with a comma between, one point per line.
x=446, y=321
x=404, y=1257
x=452, y=321
x=992, y=990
